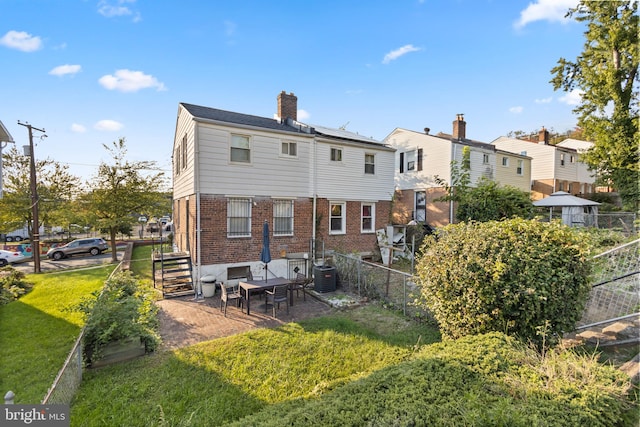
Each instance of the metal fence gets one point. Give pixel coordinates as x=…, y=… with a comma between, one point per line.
x=624, y=222
x=616, y=286
x=370, y=281
x=69, y=377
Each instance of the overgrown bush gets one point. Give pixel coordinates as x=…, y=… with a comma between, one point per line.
x=515, y=276
x=12, y=285
x=123, y=309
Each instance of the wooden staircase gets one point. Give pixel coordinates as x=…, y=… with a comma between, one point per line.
x=172, y=274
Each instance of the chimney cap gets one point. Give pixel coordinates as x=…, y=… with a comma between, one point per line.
x=427, y=130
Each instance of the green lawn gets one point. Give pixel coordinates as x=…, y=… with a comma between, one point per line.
x=40, y=328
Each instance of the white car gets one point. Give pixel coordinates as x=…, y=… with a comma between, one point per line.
x=12, y=257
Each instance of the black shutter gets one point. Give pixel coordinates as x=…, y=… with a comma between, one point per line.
x=401, y=162
x=419, y=159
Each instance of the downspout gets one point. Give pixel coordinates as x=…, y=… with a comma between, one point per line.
x=453, y=189
x=196, y=175
x=314, y=187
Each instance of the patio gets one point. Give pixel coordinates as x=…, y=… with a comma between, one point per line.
x=185, y=321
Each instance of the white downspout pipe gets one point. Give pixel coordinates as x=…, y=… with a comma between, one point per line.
x=196, y=177
x=314, y=186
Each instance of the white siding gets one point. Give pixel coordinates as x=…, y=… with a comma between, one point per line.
x=508, y=175
x=183, y=179
x=346, y=180
x=543, y=156
x=436, y=159
x=267, y=174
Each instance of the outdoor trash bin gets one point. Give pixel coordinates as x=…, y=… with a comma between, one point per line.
x=208, y=286
x=324, y=279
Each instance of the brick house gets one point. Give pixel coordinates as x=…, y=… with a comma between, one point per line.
x=311, y=184
x=423, y=159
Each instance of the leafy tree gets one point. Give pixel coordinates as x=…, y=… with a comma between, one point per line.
x=515, y=276
x=56, y=188
x=486, y=201
x=120, y=189
x=606, y=73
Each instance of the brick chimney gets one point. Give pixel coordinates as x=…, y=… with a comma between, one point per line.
x=459, y=127
x=287, y=106
x=543, y=136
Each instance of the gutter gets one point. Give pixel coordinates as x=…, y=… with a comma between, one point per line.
x=196, y=179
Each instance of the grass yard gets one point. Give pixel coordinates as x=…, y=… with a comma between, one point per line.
x=39, y=330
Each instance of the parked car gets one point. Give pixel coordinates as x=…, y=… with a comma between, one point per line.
x=12, y=257
x=92, y=246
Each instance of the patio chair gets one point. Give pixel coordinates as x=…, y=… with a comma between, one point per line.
x=275, y=296
x=230, y=293
x=250, y=276
x=301, y=283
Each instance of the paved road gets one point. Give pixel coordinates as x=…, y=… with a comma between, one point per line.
x=78, y=261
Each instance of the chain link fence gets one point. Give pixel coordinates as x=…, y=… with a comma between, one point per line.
x=616, y=286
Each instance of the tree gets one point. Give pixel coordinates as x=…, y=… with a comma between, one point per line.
x=486, y=201
x=56, y=187
x=120, y=190
x=606, y=73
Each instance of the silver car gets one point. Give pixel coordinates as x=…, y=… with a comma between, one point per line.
x=92, y=246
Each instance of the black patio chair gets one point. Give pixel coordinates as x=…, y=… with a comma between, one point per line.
x=230, y=293
x=301, y=283
x=278, y=294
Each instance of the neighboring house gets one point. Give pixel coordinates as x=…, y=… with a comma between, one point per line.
x=424, y=160
x=232, y=172
x=553, y=167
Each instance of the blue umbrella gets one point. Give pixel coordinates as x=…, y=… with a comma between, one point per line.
x=265, y=255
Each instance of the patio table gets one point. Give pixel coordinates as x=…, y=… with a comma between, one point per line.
x=249, y=286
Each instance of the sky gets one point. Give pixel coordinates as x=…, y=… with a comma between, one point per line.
x=90, y=72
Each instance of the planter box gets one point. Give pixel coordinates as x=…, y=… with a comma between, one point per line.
x=119, y=351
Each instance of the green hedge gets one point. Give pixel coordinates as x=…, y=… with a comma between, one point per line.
x=522, y=277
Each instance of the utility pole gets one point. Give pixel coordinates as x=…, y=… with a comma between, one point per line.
x=35, y=228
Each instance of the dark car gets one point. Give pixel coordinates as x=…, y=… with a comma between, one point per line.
x=93, y=246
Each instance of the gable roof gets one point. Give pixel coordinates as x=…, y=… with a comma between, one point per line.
x=288, y=125
x=208, y=113
x=562, y=198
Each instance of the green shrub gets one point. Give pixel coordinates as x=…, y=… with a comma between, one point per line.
x=515, y=276
x=12, y=285
x=123, y=309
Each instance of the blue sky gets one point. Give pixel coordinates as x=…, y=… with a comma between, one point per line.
x=92, y=71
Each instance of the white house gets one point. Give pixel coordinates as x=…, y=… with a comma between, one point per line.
x=234, y=171
x=423, y=161
x=553, y=167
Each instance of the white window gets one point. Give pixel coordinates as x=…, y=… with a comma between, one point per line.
x=520, y=169
x=505, y=161
x=411, y=160
x=572, y=159
x=562, y=159
x=336, y=154
x=239, y=217
x=368, y=218
x=485, y=159
x=289, y=149
x=369, y=164
x=337, y=218
x=283, y=217
x=240, y=149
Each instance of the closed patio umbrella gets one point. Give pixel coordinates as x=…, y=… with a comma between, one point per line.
x=265, y=255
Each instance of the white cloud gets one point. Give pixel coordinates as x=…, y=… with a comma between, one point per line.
x=76, y=128
x=303, y=115
x=572, y=98
x=110, y=9
x=21, y=40
x=108, y=125
x=130, y=81
x=545, y=10
x=516, y=110
x=395, y=54
x=543, y=100
x=61, y=70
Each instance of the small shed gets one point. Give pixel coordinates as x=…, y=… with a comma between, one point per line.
x=576, y=211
